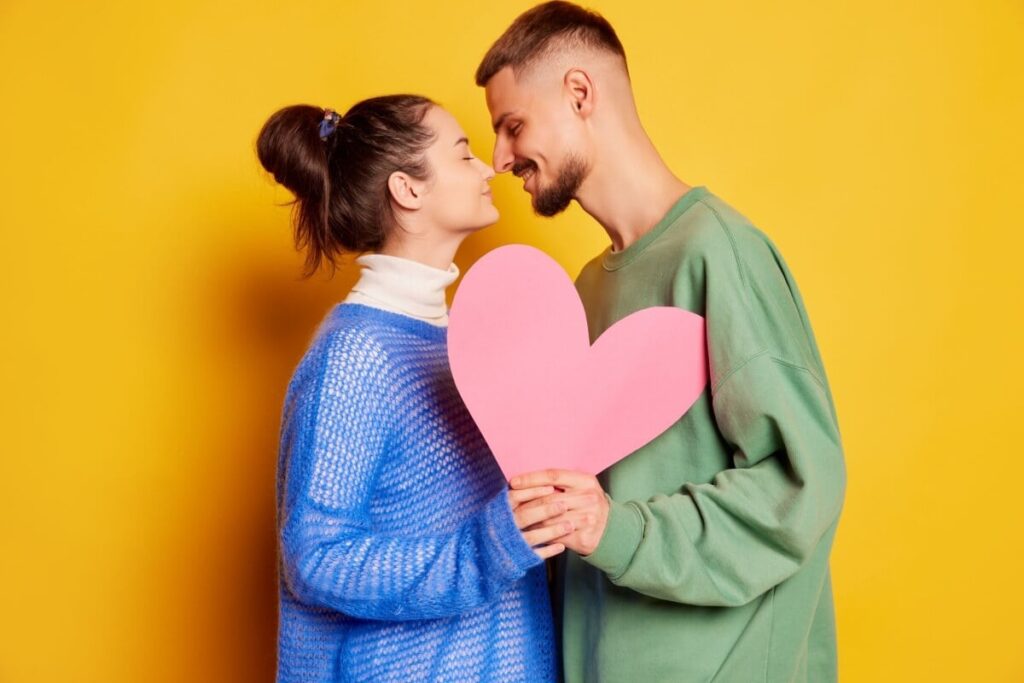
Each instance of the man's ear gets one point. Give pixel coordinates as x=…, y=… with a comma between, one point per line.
x=405, y=190
x=580, y=89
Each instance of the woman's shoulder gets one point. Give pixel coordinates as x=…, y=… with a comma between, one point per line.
x=348, y=330
x=361, y=340
x=345, y=348
x=378, y=326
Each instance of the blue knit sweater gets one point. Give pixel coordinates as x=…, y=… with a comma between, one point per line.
x=400, y=558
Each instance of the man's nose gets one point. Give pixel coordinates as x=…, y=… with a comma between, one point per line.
x=503, y=156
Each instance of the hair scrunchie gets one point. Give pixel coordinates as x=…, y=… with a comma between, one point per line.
x=329, y=124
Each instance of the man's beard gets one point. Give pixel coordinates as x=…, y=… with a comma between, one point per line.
x=554, y=199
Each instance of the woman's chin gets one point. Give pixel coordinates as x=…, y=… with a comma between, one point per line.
x=489, y=218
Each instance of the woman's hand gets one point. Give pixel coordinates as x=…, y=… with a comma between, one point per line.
x=583, y=498
x=535, y=515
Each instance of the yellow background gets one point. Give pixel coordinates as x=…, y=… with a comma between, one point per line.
x=152, y=311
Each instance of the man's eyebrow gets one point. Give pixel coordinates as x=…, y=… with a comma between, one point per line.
x=501, y=120
x=460, y=141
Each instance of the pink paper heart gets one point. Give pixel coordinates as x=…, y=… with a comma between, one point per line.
x=544, y=397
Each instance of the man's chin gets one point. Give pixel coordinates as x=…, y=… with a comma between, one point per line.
x=555, y=198
x=547, y=208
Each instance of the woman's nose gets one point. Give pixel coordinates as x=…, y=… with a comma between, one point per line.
x=487, y=171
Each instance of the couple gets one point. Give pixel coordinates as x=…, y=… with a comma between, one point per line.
x=405, y=555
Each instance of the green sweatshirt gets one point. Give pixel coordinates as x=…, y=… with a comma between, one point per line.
x=715, y=562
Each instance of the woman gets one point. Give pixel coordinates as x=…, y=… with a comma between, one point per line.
x=403, y=555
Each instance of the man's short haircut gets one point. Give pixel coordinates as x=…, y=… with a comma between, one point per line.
x=542, y=31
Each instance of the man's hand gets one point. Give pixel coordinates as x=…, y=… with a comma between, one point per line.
x=584, y=500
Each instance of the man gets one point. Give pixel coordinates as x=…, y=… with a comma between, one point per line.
x=703, y=556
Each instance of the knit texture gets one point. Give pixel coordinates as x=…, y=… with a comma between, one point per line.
x=400, y=557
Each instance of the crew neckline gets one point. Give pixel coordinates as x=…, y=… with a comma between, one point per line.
x=613, y=260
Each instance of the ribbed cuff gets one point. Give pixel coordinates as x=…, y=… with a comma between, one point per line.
x=622, y=536
x=515, y=553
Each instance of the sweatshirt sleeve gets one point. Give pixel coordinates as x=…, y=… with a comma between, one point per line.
x=331, y=554
x=728, y=541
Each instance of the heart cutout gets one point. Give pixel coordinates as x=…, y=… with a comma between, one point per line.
x=541, y=394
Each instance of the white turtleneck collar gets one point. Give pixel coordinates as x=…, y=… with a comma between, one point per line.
x=403, y=286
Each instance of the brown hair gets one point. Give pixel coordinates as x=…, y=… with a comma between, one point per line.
x=340, y=182
x=535, y=32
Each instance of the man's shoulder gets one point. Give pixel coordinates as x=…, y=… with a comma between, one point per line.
x=710, y=234
x=714, y=228
x=714, y=238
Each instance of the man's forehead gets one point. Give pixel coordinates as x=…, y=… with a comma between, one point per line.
x=501, y=89
x=508, y=95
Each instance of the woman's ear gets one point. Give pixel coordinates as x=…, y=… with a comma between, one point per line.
x=580, y=90
x=405, y=190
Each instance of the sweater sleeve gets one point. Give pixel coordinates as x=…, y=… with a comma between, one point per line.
x=331, y=554
x=728, y=541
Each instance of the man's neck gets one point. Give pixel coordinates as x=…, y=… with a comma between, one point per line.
x=630, y=193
